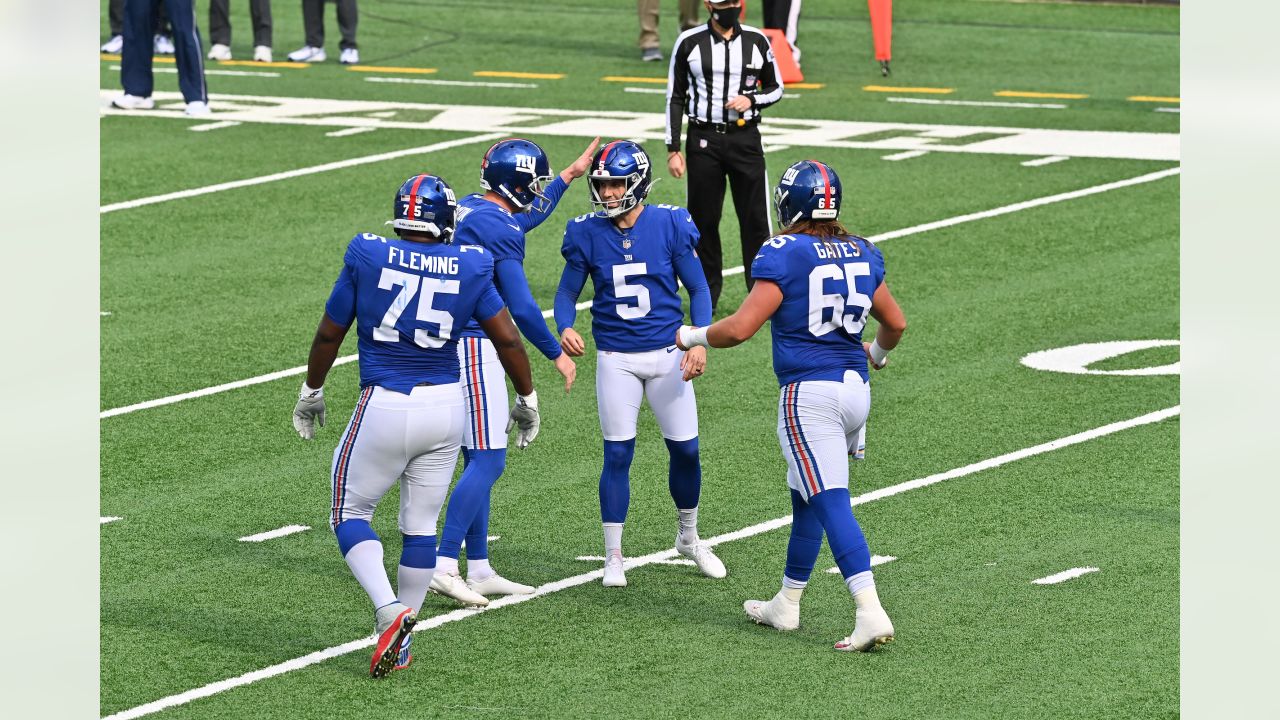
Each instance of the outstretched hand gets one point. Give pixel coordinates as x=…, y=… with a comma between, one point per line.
x=582, y=164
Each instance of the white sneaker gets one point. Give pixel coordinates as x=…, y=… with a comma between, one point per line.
x=779, y=612
x=219, y=52
x=451, y=585
x=196, y=108
x=871, y=629
x=702, y=556
x=614, y=575
x=307, y=53
x=163, y=45
x=349, y=56
x=495, y=584
x=114, y=45
x=262, y=53
x=133, y=102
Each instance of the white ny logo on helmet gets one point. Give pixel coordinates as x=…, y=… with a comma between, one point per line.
x=789, y=176
x=527, y=163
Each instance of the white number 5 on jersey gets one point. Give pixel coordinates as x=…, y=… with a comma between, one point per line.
x=410, y=285
x=819, y=301
x=637, y=291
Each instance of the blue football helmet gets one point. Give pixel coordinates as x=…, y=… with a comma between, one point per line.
x=425, y=203
x=517, y=170
x=620, y=160
x=808, y=190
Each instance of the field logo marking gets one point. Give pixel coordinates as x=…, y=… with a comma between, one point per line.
x=1076, y=359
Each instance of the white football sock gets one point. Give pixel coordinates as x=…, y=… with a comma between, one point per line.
x=859, y=583
x=793, y=584
x=479, y=569
x=365, y=561
x=612, y=538
x=446, y=565
x=413, y=583
x=792, y=594
x=688, y=525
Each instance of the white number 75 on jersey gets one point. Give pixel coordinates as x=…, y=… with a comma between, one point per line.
x=857, y=303
x=409, y=286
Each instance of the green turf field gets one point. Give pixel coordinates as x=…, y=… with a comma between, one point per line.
x=991, y=260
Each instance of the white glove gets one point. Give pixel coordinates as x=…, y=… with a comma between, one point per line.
x=309, y=411
x=525, y=414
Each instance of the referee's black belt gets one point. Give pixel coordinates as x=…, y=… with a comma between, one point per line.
x=723, y=128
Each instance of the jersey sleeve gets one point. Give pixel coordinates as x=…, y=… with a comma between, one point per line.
x=503, y=238
x=572, y=279
x=341, y=306
x=489, y=304
x=533, y=218
x=771, y=262
x=684, y=235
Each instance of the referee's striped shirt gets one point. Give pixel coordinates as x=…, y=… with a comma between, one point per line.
x=707, y=71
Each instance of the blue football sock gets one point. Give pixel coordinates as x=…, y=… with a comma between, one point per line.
x=615, y=480
x=805, y=542
x=417, y=565
x=684, y=474
x=847, y=542
x=469, y=498
x=353, y=532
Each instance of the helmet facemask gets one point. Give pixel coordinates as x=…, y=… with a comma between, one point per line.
x=626, y=203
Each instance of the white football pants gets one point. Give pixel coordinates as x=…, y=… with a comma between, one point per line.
x=484, y=384
x=623, y=380
x=818, y=426
x=411, y=438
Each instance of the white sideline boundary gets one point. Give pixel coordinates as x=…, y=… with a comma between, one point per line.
x=904, y=232
x=652, y=558
x=326, y=167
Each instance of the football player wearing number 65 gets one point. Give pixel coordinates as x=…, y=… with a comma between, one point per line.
x=634, y=253
x=817, y=282
x=407, y=297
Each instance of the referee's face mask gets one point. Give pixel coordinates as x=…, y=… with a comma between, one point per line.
x=726, y=14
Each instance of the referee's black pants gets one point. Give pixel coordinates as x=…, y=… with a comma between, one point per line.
x=711, y=157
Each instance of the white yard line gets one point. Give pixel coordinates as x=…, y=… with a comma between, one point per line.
x=207, y=71
x=105, y=520
x=213, y=126
x=278, y=532
x=1064, y=576
x=459, y=83
x=975, y=103
x=104, y=313
x=645, y=90
x=314, y=169
x=904, y=232
x=1169, y=110
x=876, y=561
x=349, y=131
x=490, y=538
x=905, y=155
x=652, y=558
x=1044, y=161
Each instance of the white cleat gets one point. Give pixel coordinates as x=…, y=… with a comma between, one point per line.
x=133, y=102
x=871, y=629
x=307, y=53
x=219, y=52
x=162, y=45
x=779, y=612
x=261, y=53
x=452, y=585
x=702, y=556
x=114, y=45
x=614, y=575
x=349, y=56
x=196, y=108
x=497, y=585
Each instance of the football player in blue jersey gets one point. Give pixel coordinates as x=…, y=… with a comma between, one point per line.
x=634, y=254
x=817, y=283
x=514, y=175
x=407, y=297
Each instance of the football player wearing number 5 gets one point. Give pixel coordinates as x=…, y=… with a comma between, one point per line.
x=817, y=283
x=407, y=297
x=514, y=175
x=634, y=253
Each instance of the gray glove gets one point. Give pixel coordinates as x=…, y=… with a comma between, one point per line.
x=309, y=411
x=525, y=415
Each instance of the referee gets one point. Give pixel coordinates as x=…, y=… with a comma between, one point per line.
x=722, y=76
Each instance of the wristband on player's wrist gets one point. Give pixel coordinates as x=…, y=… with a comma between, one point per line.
x=308, y=391
x=879, y=356
x=530, y=400
x=692, y=337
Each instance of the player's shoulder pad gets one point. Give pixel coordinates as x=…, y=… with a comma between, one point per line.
x=362, y=243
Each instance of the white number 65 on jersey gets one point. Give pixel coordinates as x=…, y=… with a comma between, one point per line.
x=852, y=322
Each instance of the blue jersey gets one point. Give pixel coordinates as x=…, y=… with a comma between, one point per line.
x=408, y=299
x=490, y=226
x=826, y=297
x=637, y=304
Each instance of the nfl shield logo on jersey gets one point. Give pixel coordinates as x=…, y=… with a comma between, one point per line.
x=626, y=244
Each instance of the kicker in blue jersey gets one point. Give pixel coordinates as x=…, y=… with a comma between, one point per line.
x=826, y=289
x=408, y=300
x=637, y=305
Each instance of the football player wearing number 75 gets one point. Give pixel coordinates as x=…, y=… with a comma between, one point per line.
x=634, y=253
x=408, y=297
x=817, y=283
